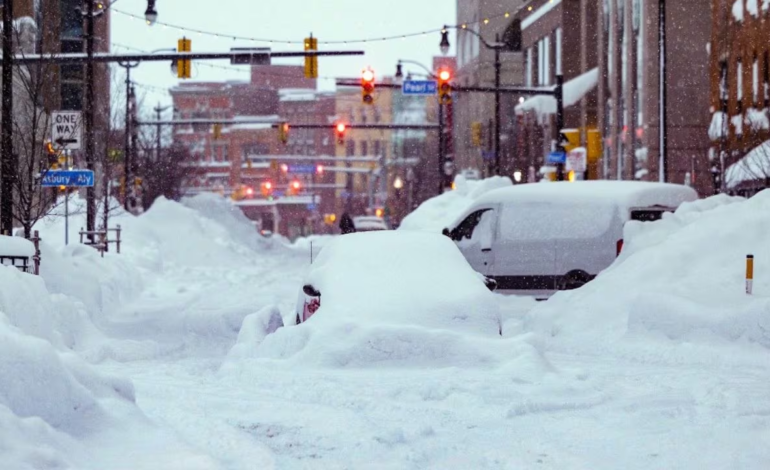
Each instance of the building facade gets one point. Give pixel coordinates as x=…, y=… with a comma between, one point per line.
x=630, y=90
x=492, y=20
x=740, y=92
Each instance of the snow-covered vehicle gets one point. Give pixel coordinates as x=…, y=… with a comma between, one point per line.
x=367, y=223
x=535, y=239
x=403, y=278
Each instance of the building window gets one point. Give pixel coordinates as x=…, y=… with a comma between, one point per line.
x=755, y=79
x=739, y=84
x=350, y=148
x=767, y=79
x=547, y=61
x=71, y=20
x=71, y=96
x=540, y=56
x=363, y=116
x=558, y=51
x=377, y=148
x=364, y=148
x=723, y=74
x=528, y=68
x=225, y=153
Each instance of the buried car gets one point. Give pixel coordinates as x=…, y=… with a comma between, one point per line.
x=398, y=278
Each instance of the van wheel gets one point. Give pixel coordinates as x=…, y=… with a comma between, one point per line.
x=574, y=280
x=296, y=322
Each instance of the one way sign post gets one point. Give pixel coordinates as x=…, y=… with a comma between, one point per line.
x=66, y=129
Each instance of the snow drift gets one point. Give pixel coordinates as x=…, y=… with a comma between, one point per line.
x=679, y=281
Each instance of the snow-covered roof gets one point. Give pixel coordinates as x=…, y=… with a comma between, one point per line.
x=574, y=90
x=621, y=193
x=755, y=165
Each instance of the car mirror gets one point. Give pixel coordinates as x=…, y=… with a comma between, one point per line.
x=310, y=290
x=446, y=232
x=491, y=284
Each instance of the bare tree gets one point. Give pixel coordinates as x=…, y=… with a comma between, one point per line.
x=31, y=128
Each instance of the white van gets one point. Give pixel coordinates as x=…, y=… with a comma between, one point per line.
x=535, y=239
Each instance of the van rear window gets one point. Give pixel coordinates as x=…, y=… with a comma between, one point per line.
x=648, y=215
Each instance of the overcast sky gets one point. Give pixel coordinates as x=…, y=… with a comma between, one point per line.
x=280, y=20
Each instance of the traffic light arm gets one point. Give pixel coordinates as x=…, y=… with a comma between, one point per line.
x=81, y=58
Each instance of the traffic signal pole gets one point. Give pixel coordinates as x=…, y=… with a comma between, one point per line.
x=441, y=150
x=498, y=169
x=559, y=91
x=9, y=163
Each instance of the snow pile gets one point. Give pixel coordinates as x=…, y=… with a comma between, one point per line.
x=396, y=299
x=718, y=127
x=438, y=212
x=574, y=91
x=738, y=10
x=737, y=122
x=758, y=119
x=754, y=166
x=16, y=246
x=679, y=282
x=752, y=6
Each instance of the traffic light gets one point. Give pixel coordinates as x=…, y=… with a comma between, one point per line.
x=184, y=66
x=267, y=188
x=284, y=168
x=52, y=154
x=249, y=191
x=367, y=86
x=311, y=61
x=340, y=129
x=444, y=87
x=319, y=169
x=294, y=188
x=379, y=212
x=217, y=131
x=476, y=131
x=283, y=132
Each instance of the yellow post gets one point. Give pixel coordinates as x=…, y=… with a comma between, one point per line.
x=749, y=273
x=311, y=62
x=184, y=66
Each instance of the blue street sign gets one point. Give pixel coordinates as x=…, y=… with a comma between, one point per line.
x=71, y=178
x=487, y=154
x=419, y=87
x=308, y=169
x=312, y=206
x=557, y=157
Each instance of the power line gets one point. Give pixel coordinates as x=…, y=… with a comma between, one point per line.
x=234, y=37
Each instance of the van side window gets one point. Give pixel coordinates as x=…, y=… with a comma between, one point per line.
x=466, y=227
x=650, y=214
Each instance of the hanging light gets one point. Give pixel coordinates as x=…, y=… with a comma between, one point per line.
x=151, y=15
x=444, y=45
x=399, y=73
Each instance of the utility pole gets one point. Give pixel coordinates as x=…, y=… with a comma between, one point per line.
x=559, y=95
x=159, y=109
x=127, y=137
x=441, y=148
x=89, y=116
x=663, y=173
x=498, y=168
x=9, y=159
x=134, y=146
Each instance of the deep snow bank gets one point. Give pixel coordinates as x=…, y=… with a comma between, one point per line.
x=392, y=299
x=679, y=280
x=438, y=212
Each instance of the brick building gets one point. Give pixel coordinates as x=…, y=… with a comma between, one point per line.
x=362, y=187
x=558, y=38
x=475, y=67
x=740, y=92
x=249, y=153
x=629, y=119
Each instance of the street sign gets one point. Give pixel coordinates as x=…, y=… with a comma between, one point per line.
x=71, y=178
x=487, y=154
x=66, y=129
x=261, y=56
x=419, y=87
x=312, y=206
x=557, y=157
x=309, y=169
x=577, y=160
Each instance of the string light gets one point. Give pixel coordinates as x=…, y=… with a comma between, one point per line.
x=201, y=32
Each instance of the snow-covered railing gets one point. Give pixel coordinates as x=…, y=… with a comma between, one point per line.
x=100, y=239
x=21, y=253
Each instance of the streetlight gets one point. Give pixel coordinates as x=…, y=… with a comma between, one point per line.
x=398, y=183
x=151, y=15
x=497, y=46
x=444, y=44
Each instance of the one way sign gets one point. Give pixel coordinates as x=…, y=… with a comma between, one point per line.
x=66, y=129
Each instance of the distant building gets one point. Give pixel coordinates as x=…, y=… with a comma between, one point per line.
x=740, y=94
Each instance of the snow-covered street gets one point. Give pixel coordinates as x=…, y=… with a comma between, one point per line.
x=574, y=383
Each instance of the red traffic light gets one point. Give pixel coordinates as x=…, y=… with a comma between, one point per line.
x=284, y=168
x=341, y=128
x=249, y=191
x=444, y=75
x=268, y=185
x=319, y=169
x=295, y=184
x=367, y=75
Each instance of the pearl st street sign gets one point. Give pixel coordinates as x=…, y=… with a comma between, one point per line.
x=419, y=87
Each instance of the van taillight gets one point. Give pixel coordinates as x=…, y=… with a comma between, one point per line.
x=619, y=247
